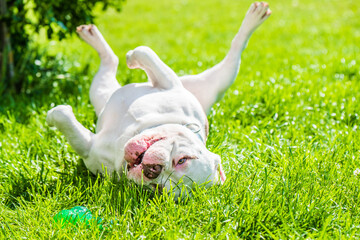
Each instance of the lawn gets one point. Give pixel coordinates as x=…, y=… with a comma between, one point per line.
x=287, y=130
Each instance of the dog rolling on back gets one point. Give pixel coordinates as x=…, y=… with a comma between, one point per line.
x=154, y=132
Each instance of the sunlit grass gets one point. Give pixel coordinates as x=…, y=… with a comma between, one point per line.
x=287, y=130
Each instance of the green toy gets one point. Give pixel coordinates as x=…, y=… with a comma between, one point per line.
x=77, y=215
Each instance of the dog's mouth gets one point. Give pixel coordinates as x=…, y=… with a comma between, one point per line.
x=131, y=153
x=137, y=162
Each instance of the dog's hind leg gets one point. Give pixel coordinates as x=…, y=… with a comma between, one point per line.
x=78, y=136
x=209, y=85
x=104, y=82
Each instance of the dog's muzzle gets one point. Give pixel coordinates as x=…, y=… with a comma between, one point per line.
x=152, y=171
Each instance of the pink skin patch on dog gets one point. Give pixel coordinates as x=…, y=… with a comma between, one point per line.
x=137, y=147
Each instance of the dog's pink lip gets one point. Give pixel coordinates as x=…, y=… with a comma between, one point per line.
x=138, y=161
x=134, y=156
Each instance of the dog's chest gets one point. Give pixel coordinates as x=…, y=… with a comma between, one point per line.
x=164, y=108
x=160, y=104
x=140, y=107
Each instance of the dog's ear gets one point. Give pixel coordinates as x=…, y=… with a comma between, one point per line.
x=220, y=170
x=221, y=174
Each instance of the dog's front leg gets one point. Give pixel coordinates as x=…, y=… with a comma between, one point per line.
x=208, y=86
x=78, y=136
x=160, y=75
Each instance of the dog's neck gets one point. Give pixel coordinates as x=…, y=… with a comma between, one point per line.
x=195, y=128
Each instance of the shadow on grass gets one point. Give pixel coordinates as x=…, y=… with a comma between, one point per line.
x=76, y=185
x=44, y=80
x=34, y=171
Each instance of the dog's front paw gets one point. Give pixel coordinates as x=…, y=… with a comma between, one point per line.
x=130, y=60
x=59, y=114
x=139, y=57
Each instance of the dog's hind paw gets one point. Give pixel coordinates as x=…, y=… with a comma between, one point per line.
x=256, y=15
x=91, y=35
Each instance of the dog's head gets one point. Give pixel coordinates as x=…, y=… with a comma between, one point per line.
x=172, y=157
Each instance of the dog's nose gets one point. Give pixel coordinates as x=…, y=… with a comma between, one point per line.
x=152, y=171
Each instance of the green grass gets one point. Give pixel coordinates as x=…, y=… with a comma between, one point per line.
x=287, y=130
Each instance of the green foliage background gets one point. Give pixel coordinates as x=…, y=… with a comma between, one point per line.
x=287, y=130
x=24, y=19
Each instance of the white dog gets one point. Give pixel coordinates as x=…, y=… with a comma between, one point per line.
x=154, y=132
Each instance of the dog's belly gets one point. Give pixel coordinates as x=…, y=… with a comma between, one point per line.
x=132, y=109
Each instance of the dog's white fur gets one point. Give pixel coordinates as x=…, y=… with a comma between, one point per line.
x=155, y=132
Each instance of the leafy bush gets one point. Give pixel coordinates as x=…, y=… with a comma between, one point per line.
x=21, y=19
